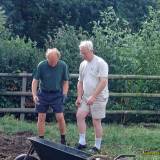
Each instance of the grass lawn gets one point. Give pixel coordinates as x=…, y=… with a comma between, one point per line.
x=133, y=139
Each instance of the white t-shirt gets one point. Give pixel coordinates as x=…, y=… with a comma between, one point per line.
x=90, y=73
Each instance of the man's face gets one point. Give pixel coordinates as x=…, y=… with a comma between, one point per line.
x=85, y=53
x=53, y=58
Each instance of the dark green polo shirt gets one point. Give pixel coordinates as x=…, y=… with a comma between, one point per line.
x=51, y=78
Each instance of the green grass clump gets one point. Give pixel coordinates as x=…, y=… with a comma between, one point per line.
x=117, y=139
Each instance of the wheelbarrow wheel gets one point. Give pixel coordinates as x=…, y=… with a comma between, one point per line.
x=23, y=156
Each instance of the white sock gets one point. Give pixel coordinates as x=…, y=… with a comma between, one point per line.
x=98, y=142
x=82, y=138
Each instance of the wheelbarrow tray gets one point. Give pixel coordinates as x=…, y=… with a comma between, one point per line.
x=47, y=150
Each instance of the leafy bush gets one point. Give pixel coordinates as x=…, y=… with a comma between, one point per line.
x=129, y=53
x=67, y=40
x=125, y=52
x=16, y=55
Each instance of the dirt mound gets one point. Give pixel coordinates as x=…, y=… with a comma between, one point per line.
x=12, y=146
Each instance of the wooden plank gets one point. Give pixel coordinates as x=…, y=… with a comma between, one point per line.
x=112, y=94
x=17, y=110
x=144, y=95
x=24, y=85
x=15, y=93
x=134, y=77
x=111, y=76
x=134, y=112
x=15, y=74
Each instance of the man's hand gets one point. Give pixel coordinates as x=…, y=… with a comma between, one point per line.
x=35, y=99
x=34, y=91
x=91, y=100
x=65, y=98
x=78, y=101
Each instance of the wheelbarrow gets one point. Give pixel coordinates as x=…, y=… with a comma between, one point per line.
x=47, y=150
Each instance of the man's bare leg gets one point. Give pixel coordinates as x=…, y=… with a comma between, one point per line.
x=81, y=116
x=41, y=124
x=62, y=126
x=98, y=132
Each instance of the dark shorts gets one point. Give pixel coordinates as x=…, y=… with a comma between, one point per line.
x=50, y=99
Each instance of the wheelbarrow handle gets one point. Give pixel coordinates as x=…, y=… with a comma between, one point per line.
x=30, y=151
x=105, y=157
x=124, y=156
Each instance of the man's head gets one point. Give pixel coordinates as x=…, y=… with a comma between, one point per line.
x=53, y=55
x=86, y=50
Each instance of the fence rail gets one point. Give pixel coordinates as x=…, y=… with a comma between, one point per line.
x=110, y=76
x=124, y=112
x=112, y=94
x=24, y=93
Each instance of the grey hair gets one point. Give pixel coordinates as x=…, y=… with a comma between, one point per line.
x=87, y=44
x=50, y=51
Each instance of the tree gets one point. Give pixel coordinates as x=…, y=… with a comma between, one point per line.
x=36, y=19
x=2, y=21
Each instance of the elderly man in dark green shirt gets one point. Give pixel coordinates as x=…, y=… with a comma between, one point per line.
x=52, y=77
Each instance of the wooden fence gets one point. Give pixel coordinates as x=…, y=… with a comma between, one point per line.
x=23, y=93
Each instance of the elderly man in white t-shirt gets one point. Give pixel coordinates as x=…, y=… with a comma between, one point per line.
x=93, y=94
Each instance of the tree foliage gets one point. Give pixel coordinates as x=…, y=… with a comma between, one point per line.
x=2, y=20
x=36, y=19
x=126, y=52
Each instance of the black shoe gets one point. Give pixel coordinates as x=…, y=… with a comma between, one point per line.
x=80, y=146
x=63, y=142
x=94, y=150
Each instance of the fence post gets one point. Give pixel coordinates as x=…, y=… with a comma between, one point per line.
x=24, y=85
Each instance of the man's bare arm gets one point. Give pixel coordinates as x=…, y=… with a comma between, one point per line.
x=80, y=89
x=79, y=93
x=101, y=85
x=65, y=87
x=34, y=90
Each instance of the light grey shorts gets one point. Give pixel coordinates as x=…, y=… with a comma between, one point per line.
x=97, y=110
